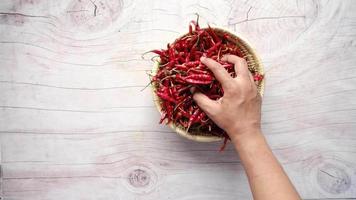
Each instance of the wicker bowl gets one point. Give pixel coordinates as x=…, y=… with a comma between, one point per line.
x=253, y=63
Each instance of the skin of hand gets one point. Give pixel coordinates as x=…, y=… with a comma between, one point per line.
x=238, y=112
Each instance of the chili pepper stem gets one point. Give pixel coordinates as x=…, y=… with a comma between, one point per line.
x=187, y=130
x=197, y=18
x=175, y=108
x=146, y=86
x=165, y=78
x=154, y=57
x=219, y=54
x=144, y=53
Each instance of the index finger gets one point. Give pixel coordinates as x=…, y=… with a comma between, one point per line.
x=219, y=72
x=239, y=63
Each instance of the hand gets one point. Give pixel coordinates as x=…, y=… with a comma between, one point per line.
x=239, y=110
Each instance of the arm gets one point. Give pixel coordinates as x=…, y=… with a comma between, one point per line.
x=266, y=176
x=238, y=112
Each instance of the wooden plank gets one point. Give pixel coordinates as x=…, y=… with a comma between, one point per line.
x=74, y=123
x=1, y=173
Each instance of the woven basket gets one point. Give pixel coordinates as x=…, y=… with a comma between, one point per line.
x=253, y=63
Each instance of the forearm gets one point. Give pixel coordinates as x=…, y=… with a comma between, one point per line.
x=241, y=106
x=266, y=176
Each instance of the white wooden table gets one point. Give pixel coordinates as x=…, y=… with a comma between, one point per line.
x=74, y=123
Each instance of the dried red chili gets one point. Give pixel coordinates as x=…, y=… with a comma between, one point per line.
x=180, y=69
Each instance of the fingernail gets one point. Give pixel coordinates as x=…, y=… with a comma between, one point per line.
x=202, y=58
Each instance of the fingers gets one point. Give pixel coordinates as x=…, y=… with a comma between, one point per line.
x=206, y=104
x=240, y=65
x=219, y=72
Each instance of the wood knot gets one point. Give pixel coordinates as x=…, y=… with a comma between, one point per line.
x=139, y=178
x=89, y=16
x=333, y=179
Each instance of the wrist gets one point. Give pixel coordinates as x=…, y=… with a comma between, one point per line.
x=239, y=132
x=246, y=138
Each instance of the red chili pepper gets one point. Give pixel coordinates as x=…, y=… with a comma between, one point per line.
x=199, y=82
x=185, y=113
x=214, y=96
x=160, y=73
x=226, y=36
x=200, y=117
x=169, y=110
x=183, y=89
x=190, y=29
x=199, y=79
x=178, y=116
x=258, y=77
x=183, y=123
x=163, y=89
x=193, y=117
x=222, y=148
x=166, y=97
x=192, y=63
x=213, y=35
x=170, y=64
x=187, y=59
x=180, y=78
x=228, y=66
x=190, y=109
x=163, y=117
x=196, y=25
x=159, y=52
x=197, y=71
x=210, y=51
x=175, y=94
x=181, y=67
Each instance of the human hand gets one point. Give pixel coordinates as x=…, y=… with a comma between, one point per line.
x=239, y=110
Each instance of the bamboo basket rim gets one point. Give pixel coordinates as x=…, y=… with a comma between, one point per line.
x=252, y=61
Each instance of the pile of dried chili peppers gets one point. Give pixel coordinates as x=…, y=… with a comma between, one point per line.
x=180, y=69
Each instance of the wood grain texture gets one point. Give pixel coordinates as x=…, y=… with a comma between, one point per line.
x=74, y=123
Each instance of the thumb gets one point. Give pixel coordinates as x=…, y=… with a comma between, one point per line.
x=206, y=104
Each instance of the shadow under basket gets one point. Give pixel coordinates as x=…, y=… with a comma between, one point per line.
x=253, y=63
